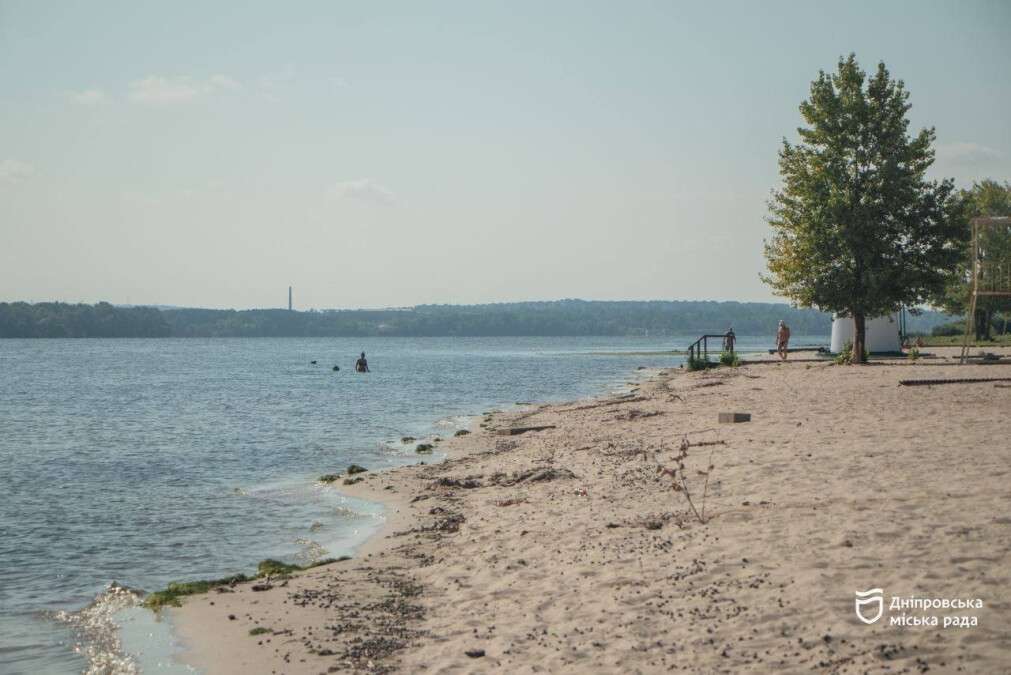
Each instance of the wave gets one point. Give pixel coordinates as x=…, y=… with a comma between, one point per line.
x=96, y=632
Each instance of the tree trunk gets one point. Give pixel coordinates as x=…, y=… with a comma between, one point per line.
x=859, y=337
x=980, y=322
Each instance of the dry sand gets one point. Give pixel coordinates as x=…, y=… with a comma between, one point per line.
x=841, y=481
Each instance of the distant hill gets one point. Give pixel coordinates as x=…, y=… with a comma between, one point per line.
x=558, y=318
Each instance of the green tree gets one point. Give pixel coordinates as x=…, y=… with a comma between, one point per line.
x=857, y=228
x=984, y=198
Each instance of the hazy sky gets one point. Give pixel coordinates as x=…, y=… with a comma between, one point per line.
x=386, y=154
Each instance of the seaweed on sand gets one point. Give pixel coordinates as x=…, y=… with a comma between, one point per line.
x=179, y=589
x=170, y=597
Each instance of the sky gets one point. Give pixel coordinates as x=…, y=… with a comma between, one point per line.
x=392, y=154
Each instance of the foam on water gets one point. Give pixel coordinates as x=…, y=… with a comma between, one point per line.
x=97, y=634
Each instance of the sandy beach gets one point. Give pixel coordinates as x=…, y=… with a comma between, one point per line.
x=566, y=550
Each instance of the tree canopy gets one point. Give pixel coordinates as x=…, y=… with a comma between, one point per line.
x=984, y=198
x=857, y=228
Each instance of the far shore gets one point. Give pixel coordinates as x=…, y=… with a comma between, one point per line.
x=565, y=548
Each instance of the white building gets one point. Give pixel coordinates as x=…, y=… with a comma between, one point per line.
x=880, y=333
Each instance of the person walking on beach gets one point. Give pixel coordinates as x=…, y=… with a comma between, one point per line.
x=782, y=339
x=361, y=365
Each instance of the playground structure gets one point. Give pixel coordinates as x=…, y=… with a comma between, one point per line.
x=989, y=268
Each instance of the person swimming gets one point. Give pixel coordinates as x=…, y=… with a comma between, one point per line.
x=361, y=365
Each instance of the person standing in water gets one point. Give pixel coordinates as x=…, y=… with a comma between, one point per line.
x=728, y=340
x=782, y=339
x=361, y=365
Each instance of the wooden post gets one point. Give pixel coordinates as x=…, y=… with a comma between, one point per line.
x=970, y=316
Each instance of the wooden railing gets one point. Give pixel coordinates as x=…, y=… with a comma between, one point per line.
x=700, y=348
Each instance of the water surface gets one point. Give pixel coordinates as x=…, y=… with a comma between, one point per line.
x=147, y=461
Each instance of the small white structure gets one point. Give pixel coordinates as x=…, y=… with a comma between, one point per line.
x=880, y=333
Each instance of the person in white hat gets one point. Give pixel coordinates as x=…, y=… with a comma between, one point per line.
x=782, y=339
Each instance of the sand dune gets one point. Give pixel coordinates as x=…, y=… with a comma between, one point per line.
x=564, y=550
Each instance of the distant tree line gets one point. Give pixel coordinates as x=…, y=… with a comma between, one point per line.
x=559, y=318
x=62, y=320
x=565, y=317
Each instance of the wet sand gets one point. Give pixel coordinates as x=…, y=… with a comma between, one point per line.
x=565, y=550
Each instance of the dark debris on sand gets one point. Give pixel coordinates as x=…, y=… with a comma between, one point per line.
x=365, y=636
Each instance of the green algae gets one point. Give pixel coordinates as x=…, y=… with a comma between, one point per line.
x=170, y=597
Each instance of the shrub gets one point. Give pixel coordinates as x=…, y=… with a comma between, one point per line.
x=946, y=329
x=914, y=353
x=696, y=363
x=730, y=359
x=845, y=357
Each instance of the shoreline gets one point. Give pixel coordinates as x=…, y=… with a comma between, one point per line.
x=561, y=550
x=393, y=514
x=188, y=625
x=148, y=639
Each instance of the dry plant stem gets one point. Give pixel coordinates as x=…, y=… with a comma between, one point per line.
x=705, y=489
x=688, y=497
x=679, y=478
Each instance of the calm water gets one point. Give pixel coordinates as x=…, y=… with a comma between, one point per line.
x=146, y=461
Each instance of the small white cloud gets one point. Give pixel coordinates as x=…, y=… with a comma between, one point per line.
x=224, y=82
x=363, y=189
x=12, y=171
x=162, y=90
x=966, y=153
x=158, y=90
x=89, y=97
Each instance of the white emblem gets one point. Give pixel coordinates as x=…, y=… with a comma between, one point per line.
x=871, y=597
